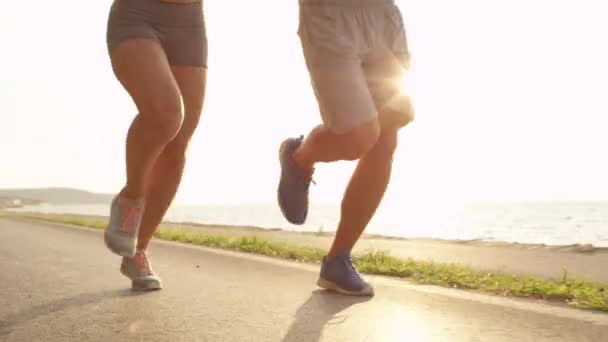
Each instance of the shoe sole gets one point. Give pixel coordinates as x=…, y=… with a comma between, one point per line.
x=328, y=285
x=142, y=285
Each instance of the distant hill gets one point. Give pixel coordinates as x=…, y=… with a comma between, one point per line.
x=53, y=196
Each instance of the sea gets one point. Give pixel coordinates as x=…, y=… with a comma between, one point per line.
x=548, y=223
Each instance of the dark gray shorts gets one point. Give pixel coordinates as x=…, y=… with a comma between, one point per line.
x=179, y=28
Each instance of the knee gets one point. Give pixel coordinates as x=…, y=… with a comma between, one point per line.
x=387, y=143
x=398, y=114
x=166, y=117
x=360, y=140
x=410, y=114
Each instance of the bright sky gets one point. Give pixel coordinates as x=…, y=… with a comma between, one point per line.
x=511, y=101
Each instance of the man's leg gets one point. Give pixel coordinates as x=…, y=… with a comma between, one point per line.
x=360, y=202
x=323, y=145
x=364, y=193
x=350, y=129
x=371, y=177
x=168, y=169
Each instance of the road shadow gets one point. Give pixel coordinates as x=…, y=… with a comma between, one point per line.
x=320, y=309
x=8, y=322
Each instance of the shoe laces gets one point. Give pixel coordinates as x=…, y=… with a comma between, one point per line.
x=350, y=263
x=308, y=179
x=132, y=214
x=143, y=264
x=306, y=174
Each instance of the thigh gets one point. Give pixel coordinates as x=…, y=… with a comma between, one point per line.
x=331, y=40
x=138, y=60
x=328, y=38
x=142, y=68
x=191, y=82
x=342, y=93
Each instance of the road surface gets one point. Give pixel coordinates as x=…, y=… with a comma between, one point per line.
x=59, y=283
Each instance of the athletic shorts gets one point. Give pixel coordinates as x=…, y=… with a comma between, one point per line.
x=356, y=53
x=178, y=25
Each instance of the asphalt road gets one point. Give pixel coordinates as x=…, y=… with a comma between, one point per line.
x=59, y=283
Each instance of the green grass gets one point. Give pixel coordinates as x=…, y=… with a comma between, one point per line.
x=577, y=292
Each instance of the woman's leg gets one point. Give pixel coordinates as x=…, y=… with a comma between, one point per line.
x=142, y=68
x=167, y=171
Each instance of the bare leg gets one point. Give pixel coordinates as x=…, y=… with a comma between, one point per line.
x=364, y=192
x=168, y=169
x=142, y=68
x=322, y=145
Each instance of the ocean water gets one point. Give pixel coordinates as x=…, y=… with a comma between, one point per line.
x=550, y=223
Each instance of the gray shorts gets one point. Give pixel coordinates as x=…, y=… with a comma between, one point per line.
x=179, y=28
x=356, y=53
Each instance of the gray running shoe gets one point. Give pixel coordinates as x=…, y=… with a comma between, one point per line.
x=340, y=275
x=123, y=226
x=294, y=184
x=139, y=270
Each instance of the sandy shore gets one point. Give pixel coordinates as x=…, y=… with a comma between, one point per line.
x=521, y=259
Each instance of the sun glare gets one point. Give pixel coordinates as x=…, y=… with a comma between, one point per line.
x=406, y=83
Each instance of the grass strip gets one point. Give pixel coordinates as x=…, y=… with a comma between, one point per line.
x=580, y=293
